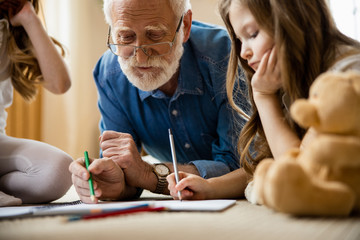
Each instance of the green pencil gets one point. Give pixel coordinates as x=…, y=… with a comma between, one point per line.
x=92, y=194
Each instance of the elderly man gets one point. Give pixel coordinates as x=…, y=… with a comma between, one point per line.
x=162, y=71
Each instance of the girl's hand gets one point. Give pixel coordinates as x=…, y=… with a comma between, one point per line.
x=267, y=79
x=22, y=16
x=11, y=7
x=191, y=186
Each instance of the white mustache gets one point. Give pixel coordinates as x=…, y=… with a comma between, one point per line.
x=151, y=63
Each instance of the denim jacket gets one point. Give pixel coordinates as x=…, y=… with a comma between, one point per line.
x=198, y=113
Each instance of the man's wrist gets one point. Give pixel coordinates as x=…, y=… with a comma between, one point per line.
x=148, y=180
x=161, y=171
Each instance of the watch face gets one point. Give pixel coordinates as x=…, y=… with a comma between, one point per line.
x=162, y=170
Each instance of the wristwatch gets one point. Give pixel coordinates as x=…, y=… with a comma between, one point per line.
x=161, y=171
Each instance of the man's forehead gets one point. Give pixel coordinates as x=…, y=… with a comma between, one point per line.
x=141, y=8
x=146, y=12
x=154, y=27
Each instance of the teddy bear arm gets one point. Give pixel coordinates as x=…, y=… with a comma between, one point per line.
x=304, y=113
x=256, y=193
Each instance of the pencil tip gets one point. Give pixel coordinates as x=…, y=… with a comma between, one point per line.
x=92, y=197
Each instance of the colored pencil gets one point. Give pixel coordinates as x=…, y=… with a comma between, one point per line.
x=91, y=185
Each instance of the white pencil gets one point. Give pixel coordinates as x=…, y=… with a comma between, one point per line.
x=173, y=154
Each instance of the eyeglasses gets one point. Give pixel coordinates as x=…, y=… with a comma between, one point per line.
x=150, y=50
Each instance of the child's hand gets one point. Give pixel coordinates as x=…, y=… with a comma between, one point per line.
x=23, y=14
x=267, y=79
x=11, y=7
x=191, y=186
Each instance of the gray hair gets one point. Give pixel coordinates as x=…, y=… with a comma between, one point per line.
x=179, y=7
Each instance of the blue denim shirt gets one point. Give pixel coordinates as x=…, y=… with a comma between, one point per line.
x=198, y=113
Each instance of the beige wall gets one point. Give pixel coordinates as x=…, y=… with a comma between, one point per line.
x=70, y=121
x=207, y=11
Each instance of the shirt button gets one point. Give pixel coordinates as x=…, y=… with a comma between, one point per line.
x=174, y=112
x=187, y=145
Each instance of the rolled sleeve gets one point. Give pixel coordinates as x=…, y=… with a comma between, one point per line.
x=210, y=169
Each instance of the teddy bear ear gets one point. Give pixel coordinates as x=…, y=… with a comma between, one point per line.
x=354, y=77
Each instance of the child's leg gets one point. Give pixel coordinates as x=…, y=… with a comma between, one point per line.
x=33, y=171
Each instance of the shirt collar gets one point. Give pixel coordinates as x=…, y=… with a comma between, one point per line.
x=190, y=80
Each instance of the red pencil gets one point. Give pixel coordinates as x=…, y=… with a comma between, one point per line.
x=121, y=212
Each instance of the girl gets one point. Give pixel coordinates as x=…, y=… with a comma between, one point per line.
x=283, y=46
x=30, y=171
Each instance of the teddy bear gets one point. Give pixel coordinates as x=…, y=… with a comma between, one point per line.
x=322, y=177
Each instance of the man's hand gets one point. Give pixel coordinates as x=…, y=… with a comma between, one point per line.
x=121, y=148
x=108, y=179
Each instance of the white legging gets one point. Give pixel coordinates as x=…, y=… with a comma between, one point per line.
x=33, y=171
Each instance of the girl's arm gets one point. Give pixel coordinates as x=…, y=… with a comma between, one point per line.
x=265, y=83
x=279, y=135
x=53, y=68
x=231, y=185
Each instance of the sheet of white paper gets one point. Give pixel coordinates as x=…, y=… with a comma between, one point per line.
x=201, y=205
x=80, y=209
x=15, y=211
x=83, y=208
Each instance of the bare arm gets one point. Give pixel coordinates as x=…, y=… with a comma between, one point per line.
x=231, y=185
x=265, y=83
x=52, y=65
x=278, y=132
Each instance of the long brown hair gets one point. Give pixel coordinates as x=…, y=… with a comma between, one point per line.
x=24, y=67
x=307, y=42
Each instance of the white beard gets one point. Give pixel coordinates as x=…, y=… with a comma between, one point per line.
x=162, y=72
